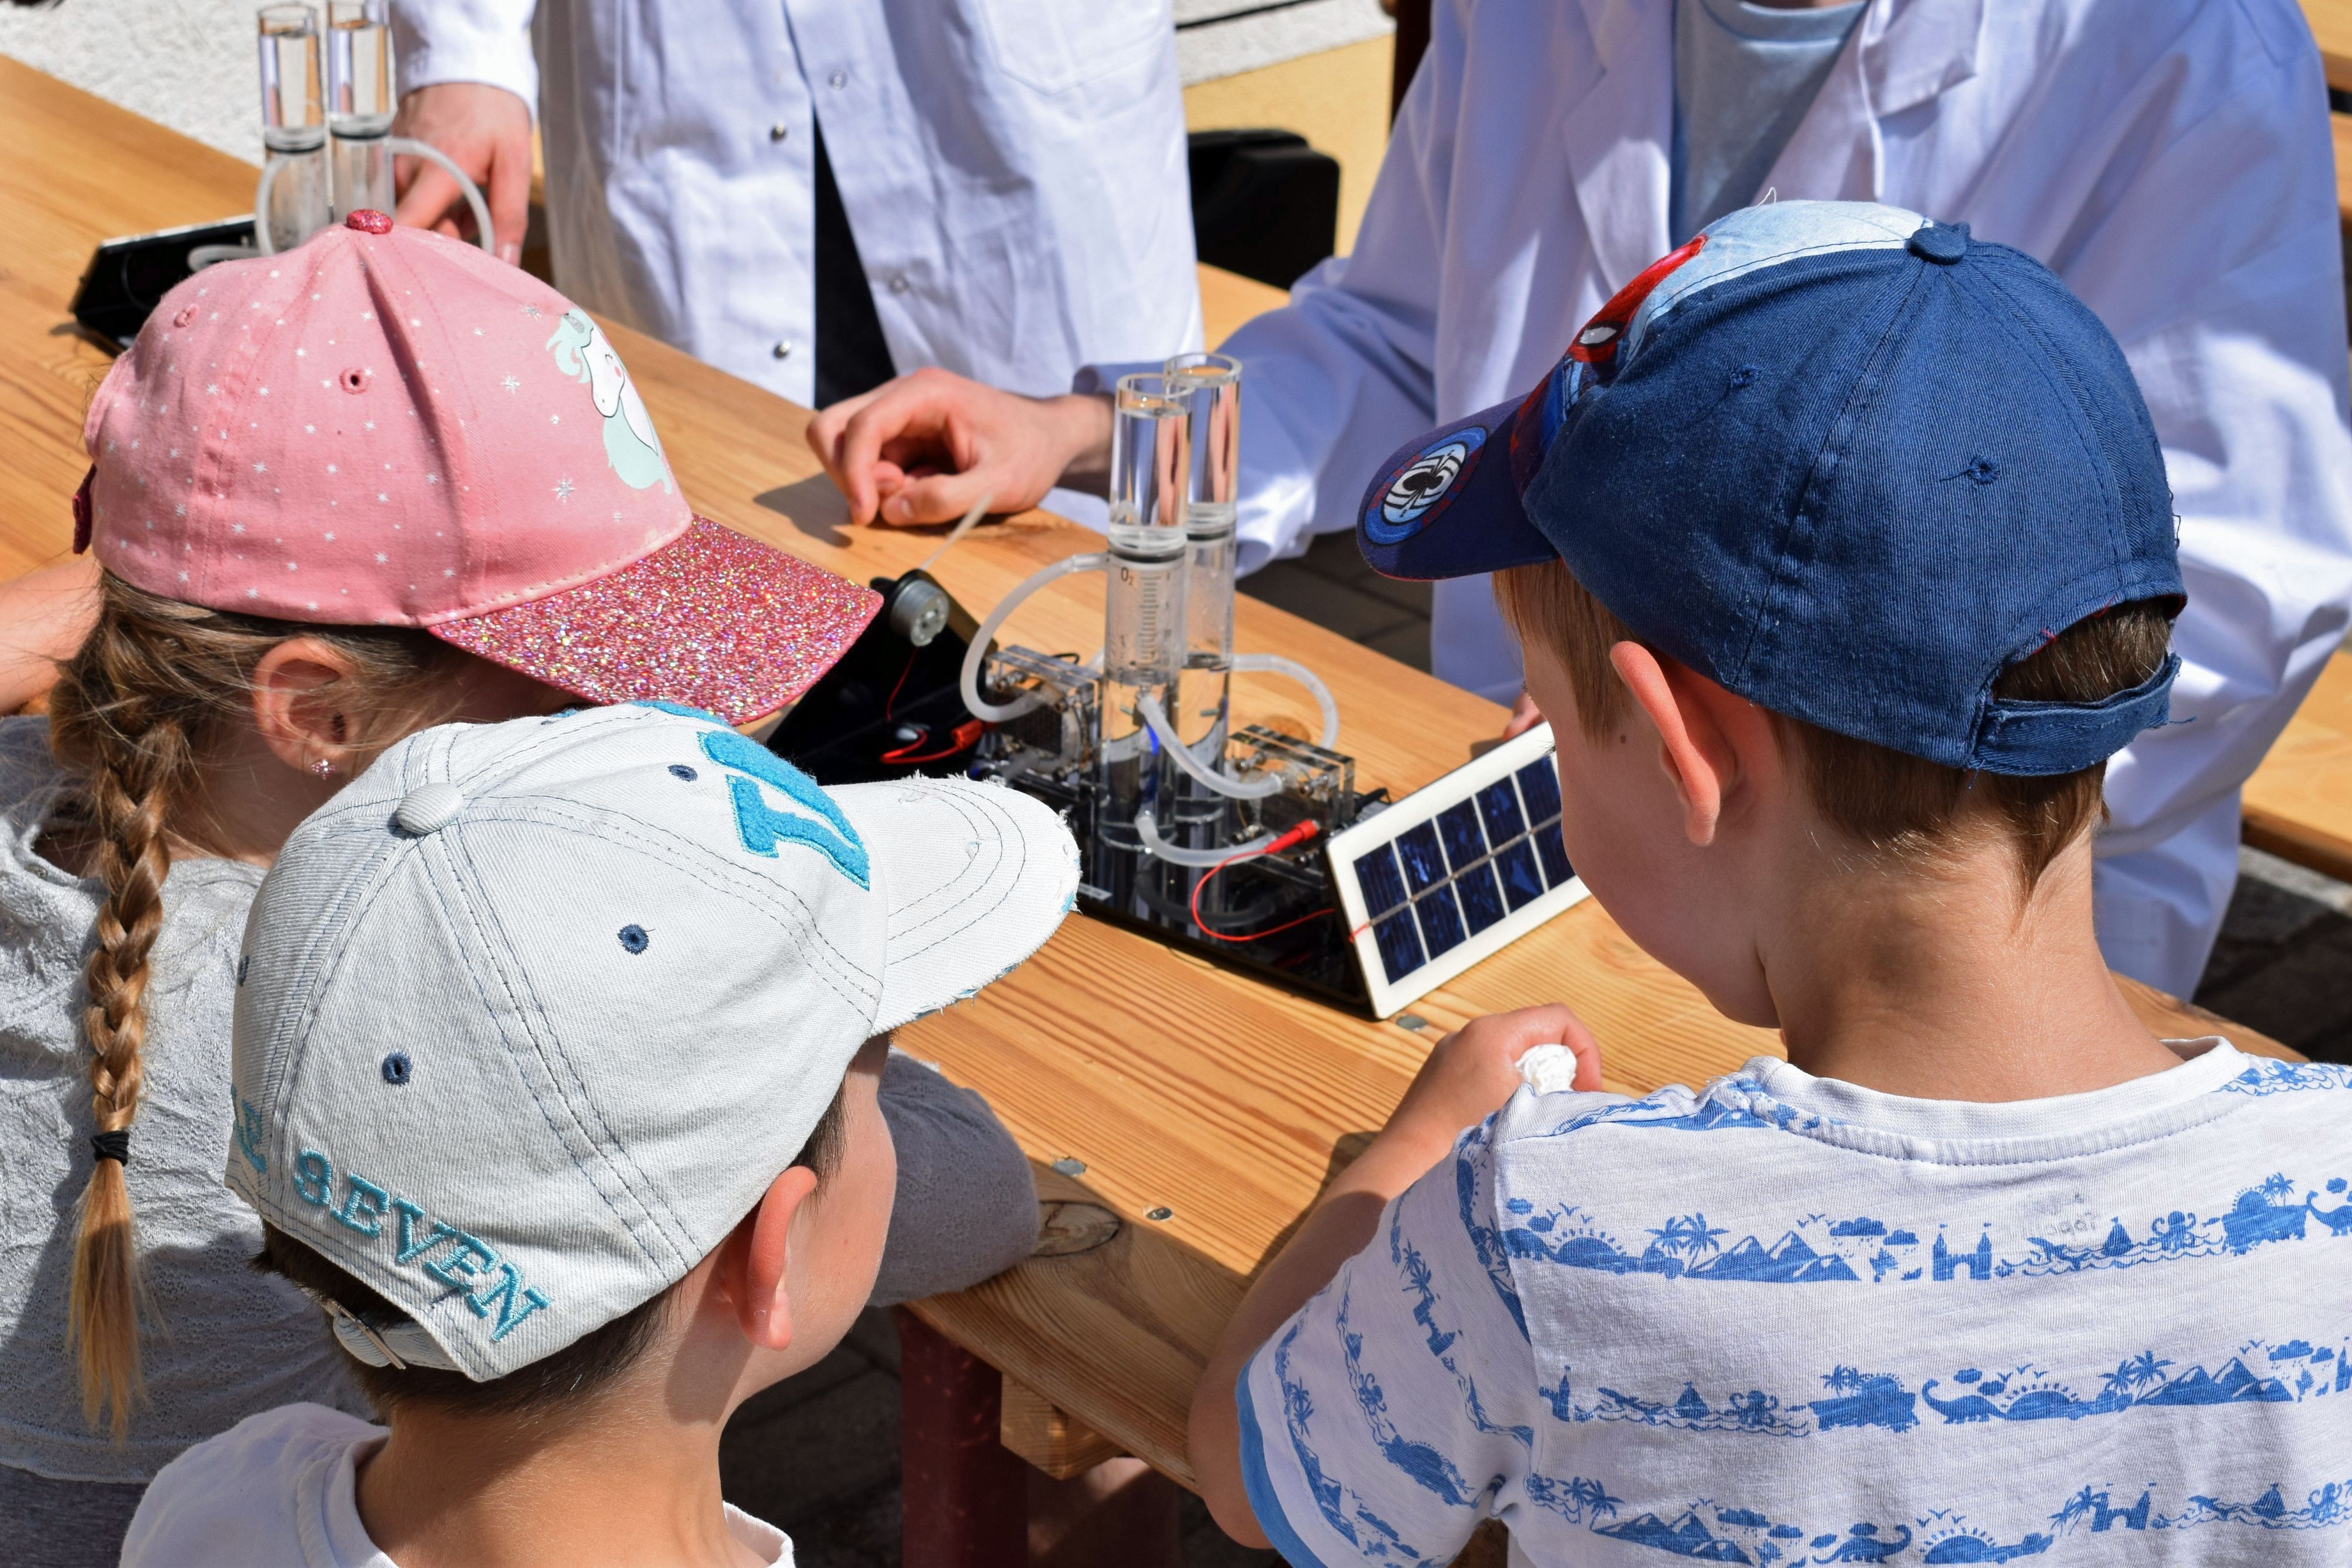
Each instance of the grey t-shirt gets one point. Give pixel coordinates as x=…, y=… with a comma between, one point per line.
x=227, y=1342
x=224, y=1342
x=1744, y=76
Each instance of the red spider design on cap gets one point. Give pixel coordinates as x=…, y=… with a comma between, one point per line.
x=1597, y=343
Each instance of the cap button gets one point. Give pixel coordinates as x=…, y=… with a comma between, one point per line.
x=1943, y=244
x=427, y=809
x=367, y=220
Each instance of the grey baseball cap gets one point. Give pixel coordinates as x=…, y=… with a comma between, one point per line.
x=530, y=1014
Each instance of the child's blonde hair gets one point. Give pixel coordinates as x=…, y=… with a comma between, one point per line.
x=1886, y=799
x=135, y=713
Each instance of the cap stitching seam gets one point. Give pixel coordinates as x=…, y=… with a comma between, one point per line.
x=545, y=1043
x=654, y=837
x=1841, y=429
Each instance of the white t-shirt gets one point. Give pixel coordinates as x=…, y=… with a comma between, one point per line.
x=1785, y=1320
x=277, y=1490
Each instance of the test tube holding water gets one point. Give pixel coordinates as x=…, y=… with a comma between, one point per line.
x=1211, y=387
x=296, y=192
x=360, y=104
x=1143, y=605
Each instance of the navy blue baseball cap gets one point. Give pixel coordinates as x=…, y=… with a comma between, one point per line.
x=1846, y=462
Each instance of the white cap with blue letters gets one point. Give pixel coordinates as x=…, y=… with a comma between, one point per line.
x=530, y=1014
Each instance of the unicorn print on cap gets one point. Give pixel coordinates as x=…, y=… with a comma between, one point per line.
x=583, y=353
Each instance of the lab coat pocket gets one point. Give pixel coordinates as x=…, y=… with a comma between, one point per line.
x=1054, y=45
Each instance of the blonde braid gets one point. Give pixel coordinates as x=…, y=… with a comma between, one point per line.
x=153, y=687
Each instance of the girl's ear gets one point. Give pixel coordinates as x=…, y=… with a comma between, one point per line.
x=299, y=688
x=752, y=1275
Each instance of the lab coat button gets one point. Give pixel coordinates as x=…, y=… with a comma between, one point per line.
x=1942, y=242
x=783, y=350
x=898, y=285
x=837, y=81
x=778, y=132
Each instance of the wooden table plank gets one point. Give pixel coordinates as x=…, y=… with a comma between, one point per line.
x=2298, y=804
x=1180, y=1084
x=2331, y=28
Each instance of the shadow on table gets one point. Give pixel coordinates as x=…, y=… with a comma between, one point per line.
x=813, y=506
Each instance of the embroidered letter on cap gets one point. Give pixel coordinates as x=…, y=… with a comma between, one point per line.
x=363, y=1203
x=760, y=825
x=248, y=1136
x=509, y=1289
x=312, y=1178
x=408, y=1246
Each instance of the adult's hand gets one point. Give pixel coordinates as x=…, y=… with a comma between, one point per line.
x=487, y=132
x=924, y=448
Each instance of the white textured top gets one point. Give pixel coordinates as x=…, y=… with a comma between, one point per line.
x=237, y=1342
x=1785, y=1320
x=282, y=1487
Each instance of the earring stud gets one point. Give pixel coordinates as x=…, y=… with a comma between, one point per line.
x=323, y=768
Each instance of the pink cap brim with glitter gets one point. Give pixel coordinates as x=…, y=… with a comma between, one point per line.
x=712, y=619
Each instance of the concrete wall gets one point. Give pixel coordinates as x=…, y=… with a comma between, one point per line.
x=187, y=63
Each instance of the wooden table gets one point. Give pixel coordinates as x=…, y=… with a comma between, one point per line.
x=2299, y=802
x=2331, y=28
x=1213, y=1102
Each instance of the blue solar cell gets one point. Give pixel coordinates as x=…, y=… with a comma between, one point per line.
x=1376, y=874
x=1540, y=784
x=1441, y=921
x=1399, y=945
x=1498, y=803
x=1522, y=882
x=1555, y=855
x=1425, y=866
x=1458, y=826
x=1482, y=901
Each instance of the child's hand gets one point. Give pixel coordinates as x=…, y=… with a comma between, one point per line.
x=1475, y=1070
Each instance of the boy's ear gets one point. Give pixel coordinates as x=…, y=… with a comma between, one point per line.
x=752, y=1277
x=1698, y=755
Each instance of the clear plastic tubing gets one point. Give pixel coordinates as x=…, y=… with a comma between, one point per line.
x=1211, y=385
x=360, y=103
x=294, y=199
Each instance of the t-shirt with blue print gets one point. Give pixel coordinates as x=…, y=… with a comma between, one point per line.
x=1785, y=1320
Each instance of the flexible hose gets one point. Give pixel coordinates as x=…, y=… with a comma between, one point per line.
x=1256, y=789
x=969, y=683
x=1148, y=829
x=1274, y=664
x=398, y=145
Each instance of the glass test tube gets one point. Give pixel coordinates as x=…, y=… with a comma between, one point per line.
x=1144, y=608
x=293, y=127
x=1212, y=387
x=360, y=103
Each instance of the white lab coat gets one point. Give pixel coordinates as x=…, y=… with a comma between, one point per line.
x=1013, y=170
x=2169, y=159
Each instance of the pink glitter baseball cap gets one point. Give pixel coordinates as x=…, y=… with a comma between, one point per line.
x=386, y=427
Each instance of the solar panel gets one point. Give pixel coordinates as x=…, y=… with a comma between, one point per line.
x=1455, y=871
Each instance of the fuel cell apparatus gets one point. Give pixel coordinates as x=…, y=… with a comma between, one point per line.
x=1248, y=844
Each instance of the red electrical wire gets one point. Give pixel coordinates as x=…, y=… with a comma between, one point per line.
x=1291, y=840
x=890, y=707
x=965, y=736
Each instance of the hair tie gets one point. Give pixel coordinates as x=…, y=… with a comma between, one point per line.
x=114, y=1145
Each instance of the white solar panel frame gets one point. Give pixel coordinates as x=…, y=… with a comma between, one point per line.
x=1423, y=805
